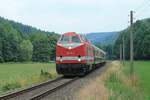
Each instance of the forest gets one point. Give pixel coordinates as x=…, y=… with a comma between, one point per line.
x=141, y=36
x=23, y=43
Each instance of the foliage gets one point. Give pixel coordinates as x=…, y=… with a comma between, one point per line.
x=10, y=48
x=45, y=74
x=41, y=51
x=10, y=86
x=26, y=50
x=1, y=56
x=52, y=39
x=18, y=42
x=141, y=34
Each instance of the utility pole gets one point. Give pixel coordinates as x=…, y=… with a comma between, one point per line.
x=112, y=52
x=123, y=43
x=120, y=53
x=131, y=45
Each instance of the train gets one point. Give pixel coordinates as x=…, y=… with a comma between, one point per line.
x=76, y=55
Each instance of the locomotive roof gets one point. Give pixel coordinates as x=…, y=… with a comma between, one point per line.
x=70, y=34
x=74, y=34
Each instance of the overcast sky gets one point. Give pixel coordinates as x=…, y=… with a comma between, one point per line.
x=82, y=16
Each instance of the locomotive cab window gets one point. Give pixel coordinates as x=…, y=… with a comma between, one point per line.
x=75, y=39
x=64, y=39
x=69, y=39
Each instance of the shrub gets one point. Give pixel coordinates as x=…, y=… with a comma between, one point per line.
x=10, y=86
x=45, y=74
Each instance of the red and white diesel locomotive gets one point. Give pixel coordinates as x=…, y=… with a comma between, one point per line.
x=75, y=55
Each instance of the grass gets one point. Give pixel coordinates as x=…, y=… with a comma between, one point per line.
x=142, y=71
x=120, y=90
x=18, y=75
x=120, y=86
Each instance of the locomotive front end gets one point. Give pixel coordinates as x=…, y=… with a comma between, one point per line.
x=70, y=54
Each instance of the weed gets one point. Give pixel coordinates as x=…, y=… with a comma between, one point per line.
x=10, y=86
x=45, y=74
x=113, y=78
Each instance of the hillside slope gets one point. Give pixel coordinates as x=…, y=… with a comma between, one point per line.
x=20, y=42
x=103, y=38
x=19, y=27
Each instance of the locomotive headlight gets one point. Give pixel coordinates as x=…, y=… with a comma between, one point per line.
x=79, y=58
x=69, y=47
x=61, y=59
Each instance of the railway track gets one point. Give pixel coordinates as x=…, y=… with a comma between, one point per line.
x=39, y=91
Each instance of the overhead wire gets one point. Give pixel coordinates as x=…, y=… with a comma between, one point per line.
x=140, y=9
x=141, y=5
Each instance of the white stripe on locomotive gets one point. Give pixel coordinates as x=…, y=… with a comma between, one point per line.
x=75, y=58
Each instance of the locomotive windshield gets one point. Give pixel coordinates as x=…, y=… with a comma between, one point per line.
x=75, y=39
x=65, y=39
x=69, y=39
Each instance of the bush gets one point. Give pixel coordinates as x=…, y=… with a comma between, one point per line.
x=10, y=86
x=45, y=74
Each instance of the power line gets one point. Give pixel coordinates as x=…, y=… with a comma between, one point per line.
x=141, y=9
x=141, y=5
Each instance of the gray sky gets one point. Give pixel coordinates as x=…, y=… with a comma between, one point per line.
x=82, y=16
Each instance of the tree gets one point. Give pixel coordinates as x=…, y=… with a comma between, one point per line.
x=1, y=47
x=10, y=49
x=26, y=50
x=52, y=39
x=146, y=49
x=41, y=48
x=18, y=42
x=141, y=34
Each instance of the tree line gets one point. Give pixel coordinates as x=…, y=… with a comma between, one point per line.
x=20, y=43
x=141, y=34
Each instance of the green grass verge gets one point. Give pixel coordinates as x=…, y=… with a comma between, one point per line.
x=119, y=90
x=142, y=71
x=17, y=75
x=120, y=85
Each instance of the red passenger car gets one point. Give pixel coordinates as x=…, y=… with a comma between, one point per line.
x=75, y=55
